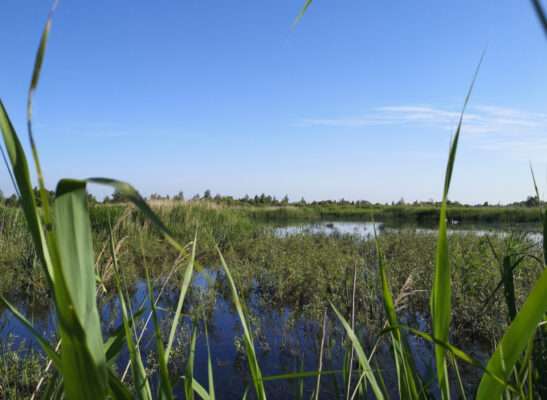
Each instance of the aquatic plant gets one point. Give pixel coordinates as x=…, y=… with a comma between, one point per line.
x=61, y=231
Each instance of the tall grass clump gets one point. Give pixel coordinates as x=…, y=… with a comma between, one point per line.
x=85, y=363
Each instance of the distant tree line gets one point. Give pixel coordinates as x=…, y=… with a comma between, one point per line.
x=269, y=200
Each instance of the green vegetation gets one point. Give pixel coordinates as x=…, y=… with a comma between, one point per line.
x=50, y=248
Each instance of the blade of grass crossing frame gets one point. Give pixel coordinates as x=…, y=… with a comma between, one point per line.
x=83, y=358
x=543, y=216
x=515, y=340
x=254, y=368
x=189, y=372
x=50, y=351
x=142, y=386
x=302, y=12
x=441, y=302
x=131, y=194
x=211, y=382
x=363, y=360
x=540, y=13
x=165, y=390
x=20, y=169
x=184, y=288
x=409, y=382
x=38, y=61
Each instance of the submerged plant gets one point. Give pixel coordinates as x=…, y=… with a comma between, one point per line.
x=85, y=363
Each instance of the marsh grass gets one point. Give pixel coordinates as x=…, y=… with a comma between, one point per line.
x=84, y=363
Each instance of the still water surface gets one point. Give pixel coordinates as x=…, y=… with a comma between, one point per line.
x=281, y=347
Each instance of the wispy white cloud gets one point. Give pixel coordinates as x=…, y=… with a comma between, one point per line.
x=493, y=128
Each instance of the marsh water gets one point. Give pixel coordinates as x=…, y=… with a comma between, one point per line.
x=284, y=343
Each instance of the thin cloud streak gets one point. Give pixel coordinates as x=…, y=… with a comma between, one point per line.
x=509, y=130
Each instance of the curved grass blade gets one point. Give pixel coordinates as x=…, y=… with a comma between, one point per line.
x=83, y=357
x=50, y=351
x=165, y=389
x=300, y=375
x=441, y=299
x=363, y=360
x=249, y=346
x=38, y=61
x=20, y=170
x=302, y=12
x=211, y=382
x=140, y=380
x=515, y=340
x=189, y=373
x=131, y=194
x=538, y=8
x=200, y=390
x=403, y=357
x=184, y=288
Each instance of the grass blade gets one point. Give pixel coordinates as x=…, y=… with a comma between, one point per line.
x=38, y=61
x=50, y=351
x=83, y=358
x=20, y=169
x=164, y=388
x=515, y=340
x=184, y=288
x=142, y=386
x=441, y=299
x=209, y=367
x=538, y=8
x=302, y=12
x=363, y=360
x=249, y=346
x=189, y=373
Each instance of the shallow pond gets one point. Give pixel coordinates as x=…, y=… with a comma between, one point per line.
x=283, y=344
x=366, y=229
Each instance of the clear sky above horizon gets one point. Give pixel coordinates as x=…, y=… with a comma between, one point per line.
x=358, y=101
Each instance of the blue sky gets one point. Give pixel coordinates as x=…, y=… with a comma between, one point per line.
x=358, y=101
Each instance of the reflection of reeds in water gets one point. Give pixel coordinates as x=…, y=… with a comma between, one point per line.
x=83, y=361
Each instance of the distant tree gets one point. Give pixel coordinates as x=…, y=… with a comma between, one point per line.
x=531, y=201
x=285, y=200
x=116, y=197
x=302, y=201
x=179, y=196
x=38, y=198
x=207, y=194
x=91, y=199
x=12, y=201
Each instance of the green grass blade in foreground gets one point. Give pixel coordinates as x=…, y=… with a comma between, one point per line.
x=543, y=216
x=538, y=8
x=515, y=340
x=363, y=360
x=142, y=386
x=456, y=352
x=209, y=367
x=38, y=61
x=249, y=346
x=403, y=357
x=83, y=358
x=50, y=351
x=183, y=290
x=302, y=12
x=20, y=170
x=189, y=373
x=131, y=194
x=164, y=387
x=441, y=297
